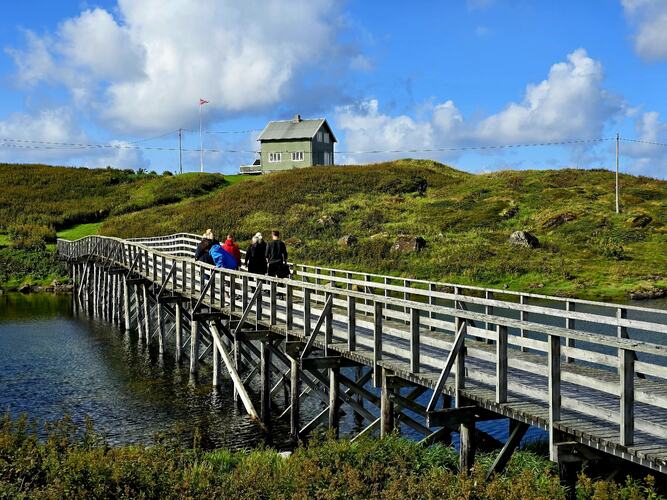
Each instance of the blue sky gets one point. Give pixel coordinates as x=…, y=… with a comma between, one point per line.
x=407, y=79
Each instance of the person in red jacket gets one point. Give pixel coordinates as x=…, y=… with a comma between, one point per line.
x=232, y=248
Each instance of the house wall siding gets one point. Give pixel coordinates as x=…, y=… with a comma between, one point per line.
x=286, y=147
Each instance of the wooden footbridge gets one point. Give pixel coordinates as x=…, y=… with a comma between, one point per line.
x=399, y=353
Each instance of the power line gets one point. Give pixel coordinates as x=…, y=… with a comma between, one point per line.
x=644, y=142
x=154, y=137
x=48, y=145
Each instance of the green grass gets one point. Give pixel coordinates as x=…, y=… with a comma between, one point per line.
x=466, y=220
x=75, y=463
x=39, y=202
x=80, y=231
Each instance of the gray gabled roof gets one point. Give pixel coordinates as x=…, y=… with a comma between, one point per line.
x=288, y=129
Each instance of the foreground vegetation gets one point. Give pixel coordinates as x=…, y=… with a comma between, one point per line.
x=586, y=250
x=73, y=464
x=38, y=202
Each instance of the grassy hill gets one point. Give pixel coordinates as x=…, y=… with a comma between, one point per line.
x=586, y=250
x=38, y=201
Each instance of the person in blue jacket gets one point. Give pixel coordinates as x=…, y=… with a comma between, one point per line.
x=222, y=258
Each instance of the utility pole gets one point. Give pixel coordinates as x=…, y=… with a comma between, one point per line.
x=201, y=137
x=180, y=150
x=618, y=140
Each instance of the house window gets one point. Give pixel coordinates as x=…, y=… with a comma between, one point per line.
x=325, y=136
x=275, y=157
x=296, y=156
x=327, y=158
x=319, y=136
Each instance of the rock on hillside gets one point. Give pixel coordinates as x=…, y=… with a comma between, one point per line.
x=524, y=239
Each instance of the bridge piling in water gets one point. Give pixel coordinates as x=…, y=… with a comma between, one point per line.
x=393, y=357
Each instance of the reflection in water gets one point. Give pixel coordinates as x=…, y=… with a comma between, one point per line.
x=53, y=363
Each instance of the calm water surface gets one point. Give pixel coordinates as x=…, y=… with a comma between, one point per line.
x=55, y=363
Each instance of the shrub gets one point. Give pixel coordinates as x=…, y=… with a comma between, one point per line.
x=74, y=463
x=612, y=249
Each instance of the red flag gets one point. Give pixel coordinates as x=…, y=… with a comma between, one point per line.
x=202, y=102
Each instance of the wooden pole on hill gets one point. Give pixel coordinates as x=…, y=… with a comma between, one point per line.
x=618, y=140
x=180, y=150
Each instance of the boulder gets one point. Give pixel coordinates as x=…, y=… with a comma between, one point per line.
x=348, y=240
x=557, y=220
x=524, y=239
x=407, y=244
x=25, y=288
x=641, y=220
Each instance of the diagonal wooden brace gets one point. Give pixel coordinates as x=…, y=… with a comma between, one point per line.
x=456, y=348
x=227, y=359
x=246, y=311
x=313, y=335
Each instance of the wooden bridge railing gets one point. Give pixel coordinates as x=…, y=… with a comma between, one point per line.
x=430, y=334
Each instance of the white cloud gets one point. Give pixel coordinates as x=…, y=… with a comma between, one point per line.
x=648, y=159
x=570, y=103
x=152, y=61
x=52, y=136
x=650, y=18
x=366, y=129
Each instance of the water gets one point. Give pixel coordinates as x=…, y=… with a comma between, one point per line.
x=55, y=363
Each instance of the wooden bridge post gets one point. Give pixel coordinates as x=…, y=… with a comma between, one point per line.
x=334, y=388
x=147, y=313
x=554, y=394
x=501, y=364
x=160, y=327
x=467, y=442
x=216, y=365
x=194, y=345
x=414, y=340
x=295, y=401
x=523, y=315
x=569, y=324
x=627, y=391
x=95, y=291
x=265, y=380
x=377, y=343
x=178, y=331
x=386, y=407
x=127, y=313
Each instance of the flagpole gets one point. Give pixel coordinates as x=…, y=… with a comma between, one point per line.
x=201, y=142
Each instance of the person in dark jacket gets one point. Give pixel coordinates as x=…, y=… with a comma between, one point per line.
x=276, y=256
x=233, y=248
x=203, y=251
x=255, y=255
x=222, y=258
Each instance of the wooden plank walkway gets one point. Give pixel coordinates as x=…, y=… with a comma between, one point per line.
x=590, y=372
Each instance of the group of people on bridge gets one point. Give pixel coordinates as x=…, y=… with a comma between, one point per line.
x=260, y=257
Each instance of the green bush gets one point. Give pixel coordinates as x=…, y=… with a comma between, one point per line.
x=74, y=463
